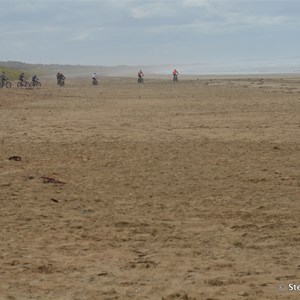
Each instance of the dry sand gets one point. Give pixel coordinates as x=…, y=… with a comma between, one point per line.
x=154, y=191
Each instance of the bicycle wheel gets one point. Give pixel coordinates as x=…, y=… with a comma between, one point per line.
x=19, y=84
x=27, y=84
x=32, y=84
x=38, y=84
x=8, y=84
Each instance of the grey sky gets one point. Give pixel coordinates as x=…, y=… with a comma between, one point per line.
x=139, y=32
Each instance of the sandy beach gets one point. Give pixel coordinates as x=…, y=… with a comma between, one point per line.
x=162, y=190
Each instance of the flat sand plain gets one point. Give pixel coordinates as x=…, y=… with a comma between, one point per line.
x=153, y=191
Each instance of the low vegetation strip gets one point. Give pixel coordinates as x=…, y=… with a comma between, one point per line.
x=12, y=74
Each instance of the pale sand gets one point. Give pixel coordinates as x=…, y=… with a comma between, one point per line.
x=167, y=191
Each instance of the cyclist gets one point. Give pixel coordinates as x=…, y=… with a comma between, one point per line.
x=34, y=78
x=94, y=78
x=175, y=75
x=60, y=78
x=21, y=77
x=140, y=76
x=3, y=78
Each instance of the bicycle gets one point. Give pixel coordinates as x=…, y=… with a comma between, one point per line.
x=62, y=81
x=22, y=84
x=6, y=83
x=35, y=84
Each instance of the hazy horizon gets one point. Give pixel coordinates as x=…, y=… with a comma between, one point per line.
x=287, y=66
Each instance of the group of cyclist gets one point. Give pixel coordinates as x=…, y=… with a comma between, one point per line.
x=140, y=75
x=61, y=78
x=22, y=81
x=34, y=78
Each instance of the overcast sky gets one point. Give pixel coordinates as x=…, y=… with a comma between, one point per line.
x=141, y=32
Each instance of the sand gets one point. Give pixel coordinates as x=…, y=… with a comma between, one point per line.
x=155, y=191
